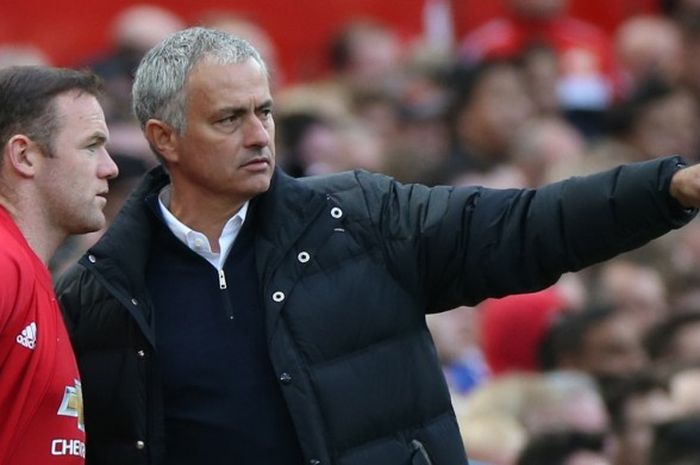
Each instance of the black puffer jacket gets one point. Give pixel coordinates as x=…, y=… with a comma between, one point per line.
x=349, y=265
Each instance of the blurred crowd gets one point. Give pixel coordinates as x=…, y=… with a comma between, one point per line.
x=602, y=368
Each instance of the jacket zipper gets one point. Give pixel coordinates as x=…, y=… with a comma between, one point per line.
x=420, y=455
x=222, y=280
x=224, y=290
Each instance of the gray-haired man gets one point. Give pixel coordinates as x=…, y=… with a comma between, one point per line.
x=235, y=315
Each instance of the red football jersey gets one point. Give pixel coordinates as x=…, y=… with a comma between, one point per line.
x=41, y=408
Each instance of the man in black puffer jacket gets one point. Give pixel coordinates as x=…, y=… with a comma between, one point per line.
x=232, y=314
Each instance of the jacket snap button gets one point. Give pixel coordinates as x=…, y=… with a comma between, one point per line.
x=134, y=302
x=336, y=212
x=140, y=445
x=141, y=354
x=285, y=378
x=314, y=462
x=92, y=258
x=303, y=257
x=278, y=296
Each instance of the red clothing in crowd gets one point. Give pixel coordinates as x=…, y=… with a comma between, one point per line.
x=41, y=408
x=588, y=74
x=513, y=327
x=576, y=42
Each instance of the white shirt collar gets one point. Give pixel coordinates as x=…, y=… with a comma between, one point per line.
x=196, y=240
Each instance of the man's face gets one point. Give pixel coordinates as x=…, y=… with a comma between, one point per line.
x=499, y=107
x=227, y=149
x=73, y=181
x=613, y=348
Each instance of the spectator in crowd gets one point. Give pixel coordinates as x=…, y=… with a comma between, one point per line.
x=564, y=401
x=648, y=47
x=675, y=340
x=599, y=340
x=366, y=54
x=456, y=337
x=133, y=32
x=365, y=58
x=637, y=405
x=634, y=288
x=420, y=142
x=545, y=148
x=493, y=439
x=540, y=65
x=499, y=417
x=657, y=118
x=54, y=170
x=319, y=353
x=513, y=328
x=585, y=54
x=490, y=418
x=660, y=117
x=491, y=103
x=309, y=143
x=683, y=276
x=313, y=145
x=689, y=24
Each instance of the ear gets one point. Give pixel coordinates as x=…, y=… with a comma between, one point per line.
x=163, y=138
x=23, y=156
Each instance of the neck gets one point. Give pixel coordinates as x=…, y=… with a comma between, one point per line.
x=206, y=214
x=43, y=241
x=32, y=223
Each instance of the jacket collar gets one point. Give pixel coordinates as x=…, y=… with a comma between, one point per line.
x=281, y=214
x=120, y=257
x=126, y=243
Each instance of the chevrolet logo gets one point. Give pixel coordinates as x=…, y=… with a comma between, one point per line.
x=72, y=404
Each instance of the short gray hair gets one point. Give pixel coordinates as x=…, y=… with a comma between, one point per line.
x=158, y=90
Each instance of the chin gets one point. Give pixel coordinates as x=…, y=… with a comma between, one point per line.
x=260, y=186
x=89, y=226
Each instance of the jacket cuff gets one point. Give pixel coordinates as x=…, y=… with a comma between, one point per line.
x=677, y=211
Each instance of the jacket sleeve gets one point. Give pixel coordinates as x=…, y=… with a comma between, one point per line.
x=458, y=246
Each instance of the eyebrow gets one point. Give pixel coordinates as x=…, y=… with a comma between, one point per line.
x=221, y=112
x=96, y=137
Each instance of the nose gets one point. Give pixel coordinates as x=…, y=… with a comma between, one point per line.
x=107, y=168
x=256, y=133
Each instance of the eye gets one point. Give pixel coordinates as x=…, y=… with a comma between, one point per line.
x=94, y=146
x=228, y=120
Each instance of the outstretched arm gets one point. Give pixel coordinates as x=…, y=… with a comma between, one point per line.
x=461, y=245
